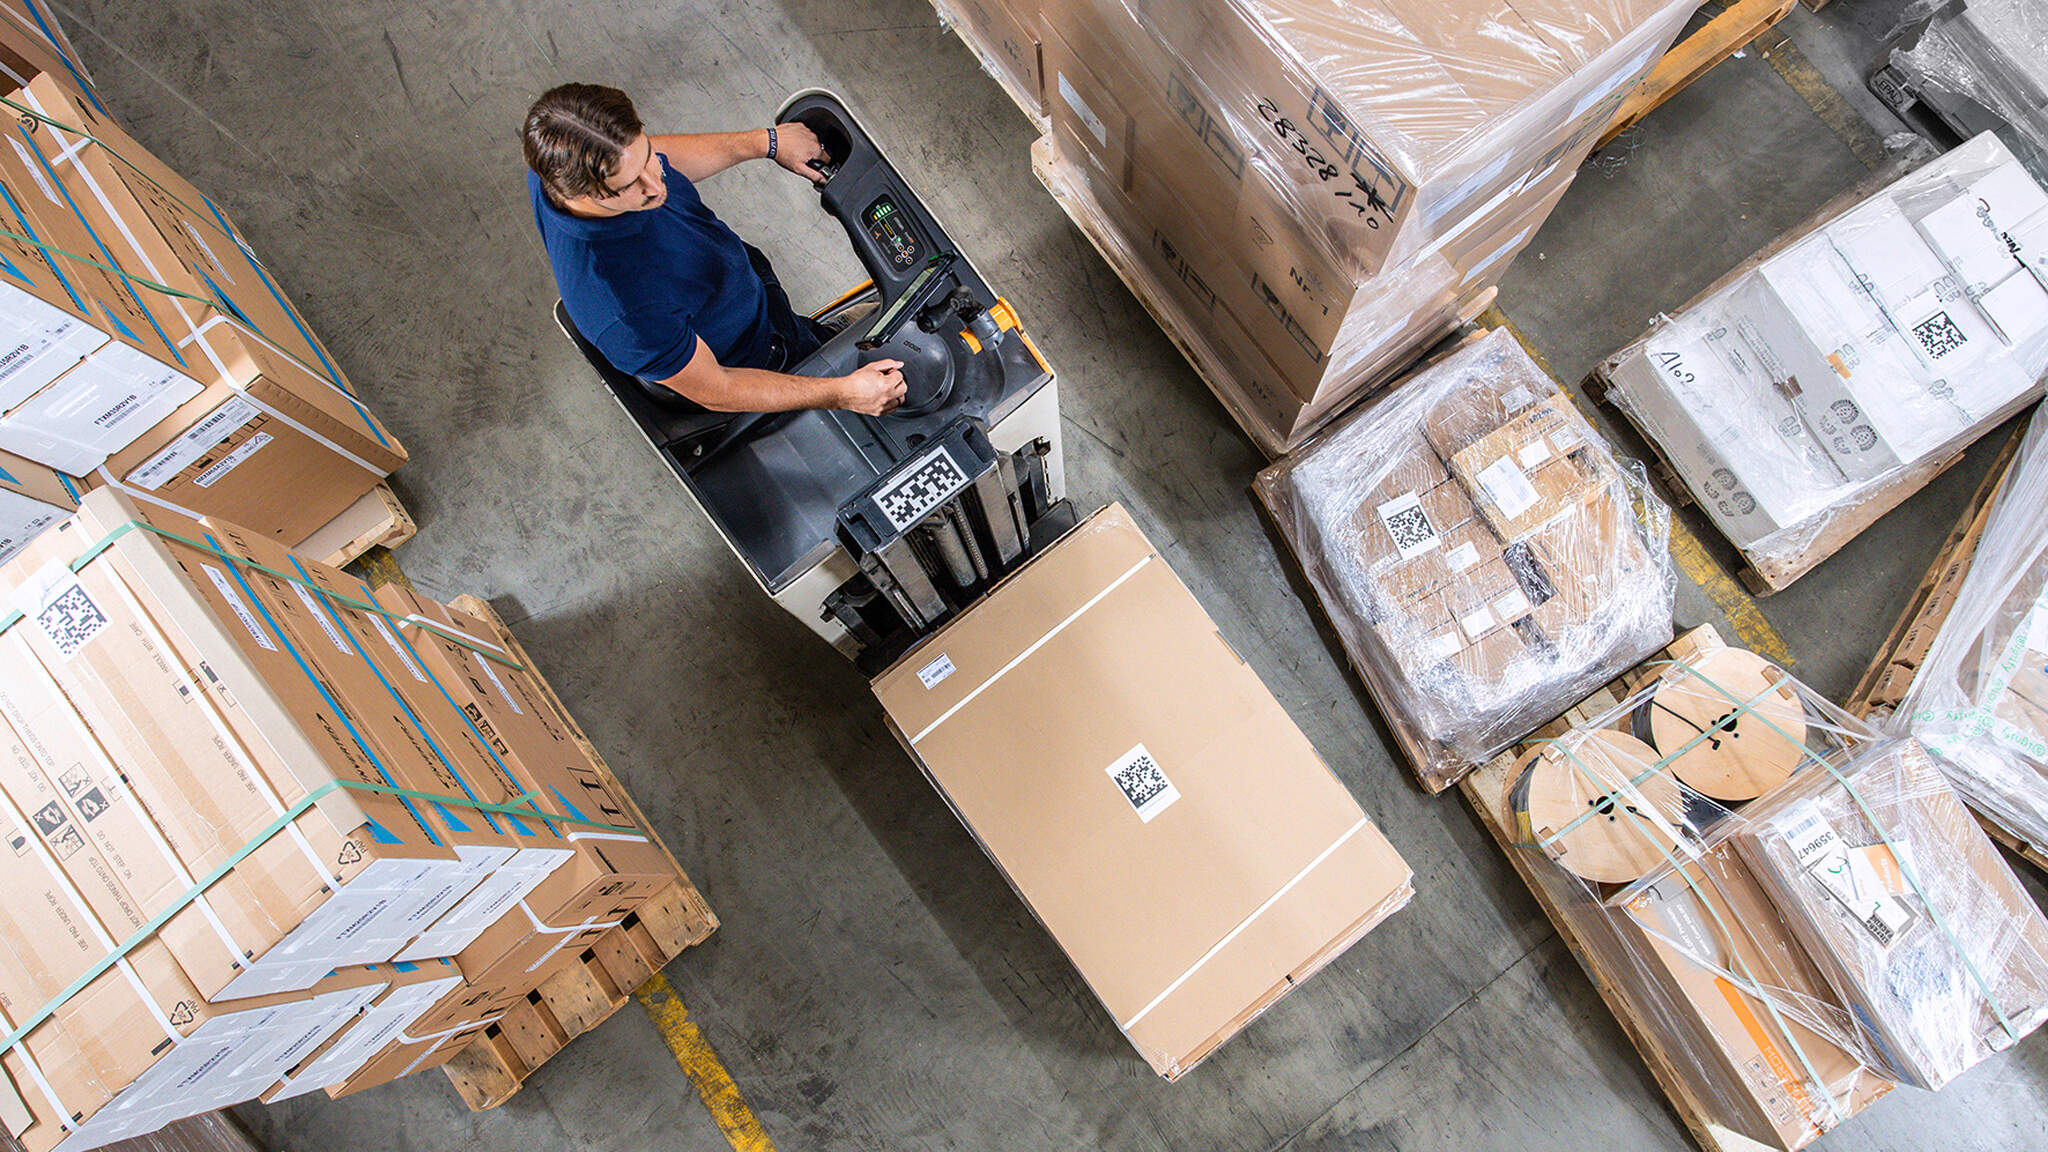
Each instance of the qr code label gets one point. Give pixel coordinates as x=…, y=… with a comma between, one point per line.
x=1409, y=525
x=1138, y=776
x=70, y=620
x=1939, y=335
x=930, y=482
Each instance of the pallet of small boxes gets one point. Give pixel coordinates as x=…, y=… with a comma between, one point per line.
x=1832, y=376
x=272, y=831
x=1484, y=558
x=1790, y=914
x=142, y=345
x=1309, y=195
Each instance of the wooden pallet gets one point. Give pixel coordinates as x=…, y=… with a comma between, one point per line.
x=491, y=1070
x=1763, y=575
x=1486, y=791
x=495, y=1065
x=1884, y=683
x=1045, y=165
x=377, y=520
x=1693, y=57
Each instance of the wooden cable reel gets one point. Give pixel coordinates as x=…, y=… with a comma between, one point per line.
x=1574, y=799
x=1743, y=718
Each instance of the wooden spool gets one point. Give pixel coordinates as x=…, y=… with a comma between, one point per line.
x=1559, y=782
x=1747, y=751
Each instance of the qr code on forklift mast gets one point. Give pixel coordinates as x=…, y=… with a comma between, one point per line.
x=1938, y=335
x=1140, y=779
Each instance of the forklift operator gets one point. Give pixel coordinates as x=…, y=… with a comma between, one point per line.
x=656, y=281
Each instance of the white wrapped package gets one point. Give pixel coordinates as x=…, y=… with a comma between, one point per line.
x=1984, y=63
x=1979, y=698
x=1815, y=388
x=1484, y=557
x=1906, y=906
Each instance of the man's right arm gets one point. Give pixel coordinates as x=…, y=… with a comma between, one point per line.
x=873, y=389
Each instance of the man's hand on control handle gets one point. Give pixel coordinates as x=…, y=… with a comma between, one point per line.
x=796, y=147
x=874, y=388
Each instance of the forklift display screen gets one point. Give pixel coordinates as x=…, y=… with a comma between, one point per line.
x=898, y=241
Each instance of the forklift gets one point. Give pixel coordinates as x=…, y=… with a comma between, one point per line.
x=876, y=530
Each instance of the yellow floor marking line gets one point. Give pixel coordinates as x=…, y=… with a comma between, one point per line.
x=1687, y=553
x=694, y=1056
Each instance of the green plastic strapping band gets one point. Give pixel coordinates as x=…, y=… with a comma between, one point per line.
x=92, y=552
x=102, y=265
x=525, y=806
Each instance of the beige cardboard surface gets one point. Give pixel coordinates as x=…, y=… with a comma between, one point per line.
x=1189, y=894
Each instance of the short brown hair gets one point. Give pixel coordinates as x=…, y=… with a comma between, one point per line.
x=574, y=136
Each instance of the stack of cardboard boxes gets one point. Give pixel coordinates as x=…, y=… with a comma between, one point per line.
x=1817, y=386
x=393, y=834
x=1310, y=193
x=142, y=345
x=1479, y=550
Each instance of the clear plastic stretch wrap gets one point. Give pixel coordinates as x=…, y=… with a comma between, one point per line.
x=1979, y=698
x=1985, y=63
x=1622, y=826
x=1317, y=187
x=1484, y=557
x=1907, y=907
x=1816, y=387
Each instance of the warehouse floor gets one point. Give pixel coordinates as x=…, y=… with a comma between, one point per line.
x=875, y=984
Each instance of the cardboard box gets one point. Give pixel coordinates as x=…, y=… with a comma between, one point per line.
x=32, y=42
x=216, y=750
x=1381, y=124
x=32, y=497
x=1004, y=35
x=138, y=1047
x=413, y=993
x=1175, y=832
x=1727, y=982
x=1907, y=907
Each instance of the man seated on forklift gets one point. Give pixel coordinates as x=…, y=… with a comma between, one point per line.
x=656, y=281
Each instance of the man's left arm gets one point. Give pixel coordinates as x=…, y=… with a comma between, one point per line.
x=704, y=154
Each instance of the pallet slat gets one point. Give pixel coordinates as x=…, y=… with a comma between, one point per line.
x=377, y=520
x=1695, y=56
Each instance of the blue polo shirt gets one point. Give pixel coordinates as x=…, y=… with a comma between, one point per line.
x=643, y=286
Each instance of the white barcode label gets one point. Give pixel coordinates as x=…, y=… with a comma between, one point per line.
x=933, y=673
x=193, y=443
x=63, y=611
x=1462, y=557
x=1851, y=877
x=495, y=682
x=1476, y=623
x=1517, y=399
x=319, y=612
x=1408, y=525
x=1533, y=453
x=1442, y=646
x=1138, y=776
x=1509, y=490
x=236, y=604
x=232, y=460
x=1512, y=606
x=397, y=649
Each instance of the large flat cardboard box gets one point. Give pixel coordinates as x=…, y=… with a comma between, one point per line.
x=1144, y=793
x=217, y=751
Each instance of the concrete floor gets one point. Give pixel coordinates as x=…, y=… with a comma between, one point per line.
x=876, y=985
